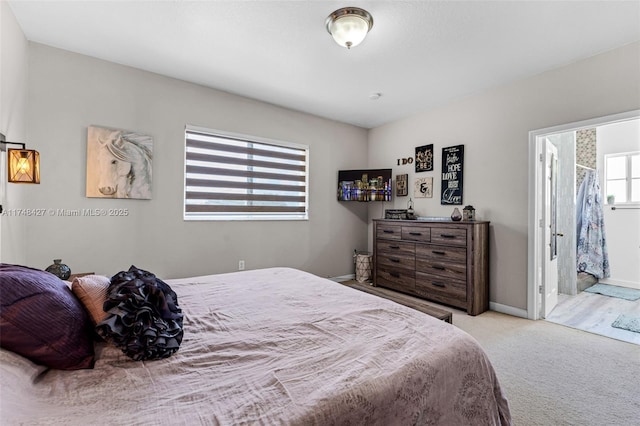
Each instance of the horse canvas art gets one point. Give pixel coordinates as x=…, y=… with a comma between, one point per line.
x=119, y=164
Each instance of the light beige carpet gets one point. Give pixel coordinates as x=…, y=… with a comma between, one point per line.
x=555, y=375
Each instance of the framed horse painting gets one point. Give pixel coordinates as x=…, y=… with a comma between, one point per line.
x=119, y=164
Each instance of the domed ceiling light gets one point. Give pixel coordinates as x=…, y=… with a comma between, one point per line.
x=349, y=26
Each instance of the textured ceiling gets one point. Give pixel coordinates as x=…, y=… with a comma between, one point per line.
x=419, y=54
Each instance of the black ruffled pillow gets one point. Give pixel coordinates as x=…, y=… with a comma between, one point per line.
x=42, y=320
x=144, y=320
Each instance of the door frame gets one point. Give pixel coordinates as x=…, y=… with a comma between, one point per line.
x=535, y=279
x=549, y=223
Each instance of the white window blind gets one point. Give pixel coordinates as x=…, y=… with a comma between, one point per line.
x=239, y=177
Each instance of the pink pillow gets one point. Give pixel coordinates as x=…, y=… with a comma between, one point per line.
x=92, y=292
x=42, y=320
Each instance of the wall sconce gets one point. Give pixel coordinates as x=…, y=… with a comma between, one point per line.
x=349, y=26
x=23, y=165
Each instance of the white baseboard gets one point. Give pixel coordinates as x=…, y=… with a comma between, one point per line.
x=620, y=283
x=509, y=310
x=343, y=278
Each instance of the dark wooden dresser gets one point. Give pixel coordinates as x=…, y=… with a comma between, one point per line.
x=443, y=261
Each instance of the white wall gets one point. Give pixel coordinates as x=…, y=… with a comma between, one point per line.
x=622, y=226
x=13, y=107
x=68, y=92
x=494, y=127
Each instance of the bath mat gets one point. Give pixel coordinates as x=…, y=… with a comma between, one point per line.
x=627, y=322
x=615, y=291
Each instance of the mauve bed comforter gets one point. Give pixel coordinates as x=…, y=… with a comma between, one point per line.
x=273, y=346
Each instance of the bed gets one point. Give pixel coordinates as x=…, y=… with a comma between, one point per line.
x=272, y=346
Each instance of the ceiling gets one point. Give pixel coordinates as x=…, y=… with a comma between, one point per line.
x=418, y=55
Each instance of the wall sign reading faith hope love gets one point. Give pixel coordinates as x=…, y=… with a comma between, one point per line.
x=451, y=187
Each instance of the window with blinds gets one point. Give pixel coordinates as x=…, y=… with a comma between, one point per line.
x=235, y=177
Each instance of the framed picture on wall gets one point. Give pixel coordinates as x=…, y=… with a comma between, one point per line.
x=401, y=185
x=424, y=158
x=119, y=164
x=452, y=162
x=423, y=188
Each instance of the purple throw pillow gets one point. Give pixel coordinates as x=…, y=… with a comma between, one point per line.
x=41, y=319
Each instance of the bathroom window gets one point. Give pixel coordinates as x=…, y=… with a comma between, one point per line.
x=622, y=178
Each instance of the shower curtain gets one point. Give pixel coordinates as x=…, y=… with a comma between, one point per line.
x=592, y=255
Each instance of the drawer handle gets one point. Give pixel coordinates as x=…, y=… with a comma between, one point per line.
x=415, y=233
x=439, y=268
x=394, y=274
x=447, y=236
x=387, y=231
x=394, y=260
x=394, y=247
x=437, y=284
x=438, y=252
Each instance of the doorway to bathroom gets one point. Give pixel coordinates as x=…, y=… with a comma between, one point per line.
x=583, y=149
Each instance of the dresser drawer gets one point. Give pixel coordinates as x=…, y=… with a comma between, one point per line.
x=391, y=261
x=454, y=270
x=389, y=231
x=416, y=233
x=441, y=253
x=449, y=291
x=449, y=236
x=395, y=248
x=396, y=278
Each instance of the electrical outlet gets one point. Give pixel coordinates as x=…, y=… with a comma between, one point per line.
x=241, y=265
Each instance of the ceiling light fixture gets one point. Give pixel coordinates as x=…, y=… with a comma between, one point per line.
x=349, y=26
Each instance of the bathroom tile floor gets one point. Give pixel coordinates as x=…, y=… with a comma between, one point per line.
x=595, y=313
